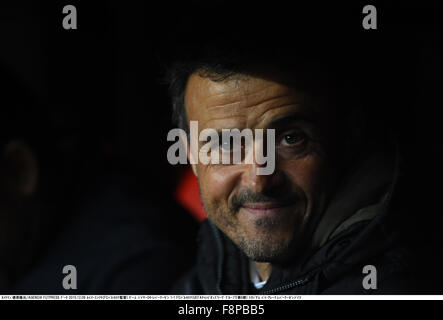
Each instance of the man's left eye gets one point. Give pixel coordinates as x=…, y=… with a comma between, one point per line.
x=226, y=146
x=230, y=146
x=293, y=139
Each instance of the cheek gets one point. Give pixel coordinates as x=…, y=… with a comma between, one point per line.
x=217, y=183
x=308, y=174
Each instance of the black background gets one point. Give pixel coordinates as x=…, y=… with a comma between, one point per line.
x=105, y=111
x=101, y=84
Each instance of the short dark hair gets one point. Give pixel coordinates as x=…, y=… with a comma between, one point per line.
x=215, y=65
x=311, y=72
x=347, y=63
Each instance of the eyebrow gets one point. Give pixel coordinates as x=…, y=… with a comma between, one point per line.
x=282, y=121
x=287, y=120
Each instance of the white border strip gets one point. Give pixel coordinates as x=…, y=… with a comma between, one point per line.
x=221, y=297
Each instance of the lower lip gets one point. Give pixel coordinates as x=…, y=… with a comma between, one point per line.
x=265, y=212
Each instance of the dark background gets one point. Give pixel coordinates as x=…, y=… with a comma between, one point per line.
x=102, y=112
x=101, y=84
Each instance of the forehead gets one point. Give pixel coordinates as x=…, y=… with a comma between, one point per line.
x=242, y=101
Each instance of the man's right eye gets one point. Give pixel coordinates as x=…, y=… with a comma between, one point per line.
x=230, y=146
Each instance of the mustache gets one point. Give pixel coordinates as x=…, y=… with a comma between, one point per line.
x=249, y=196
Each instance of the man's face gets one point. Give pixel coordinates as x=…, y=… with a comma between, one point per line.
x=265, y=215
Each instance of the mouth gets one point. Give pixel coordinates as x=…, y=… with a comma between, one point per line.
x=266, y=209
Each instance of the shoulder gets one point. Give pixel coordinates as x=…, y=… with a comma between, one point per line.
x=188, y=284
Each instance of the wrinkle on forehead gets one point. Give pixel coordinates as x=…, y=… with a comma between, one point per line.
x=236, y=99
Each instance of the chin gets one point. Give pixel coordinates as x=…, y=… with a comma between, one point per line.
x=266, y=247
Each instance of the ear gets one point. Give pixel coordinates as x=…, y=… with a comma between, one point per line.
x=20, y=170
x=184, y=139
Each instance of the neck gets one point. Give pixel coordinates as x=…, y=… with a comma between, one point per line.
x=264, y=270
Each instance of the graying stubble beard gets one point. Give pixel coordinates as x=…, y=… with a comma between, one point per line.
x=254, y=250
x=264, y=249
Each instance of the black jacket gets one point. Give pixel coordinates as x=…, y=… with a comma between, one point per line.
x=372, y=226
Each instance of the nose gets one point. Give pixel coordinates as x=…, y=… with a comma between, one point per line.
x=260, y=183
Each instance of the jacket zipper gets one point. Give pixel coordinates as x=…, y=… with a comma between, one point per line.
x=218, y=241
x=290, y=285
